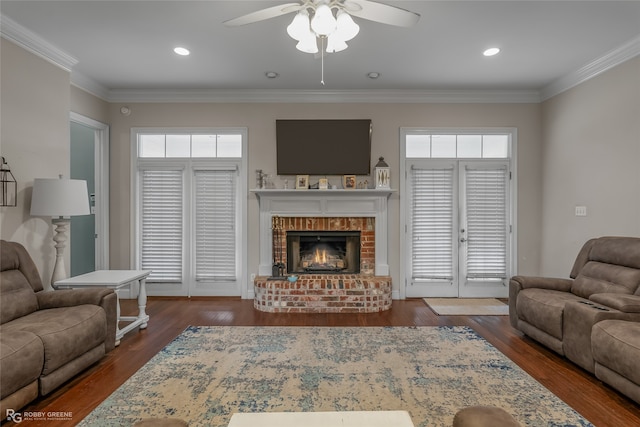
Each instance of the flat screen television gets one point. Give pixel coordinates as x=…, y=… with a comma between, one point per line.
x=323, y=147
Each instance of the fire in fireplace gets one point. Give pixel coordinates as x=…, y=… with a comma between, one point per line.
x=316, y=252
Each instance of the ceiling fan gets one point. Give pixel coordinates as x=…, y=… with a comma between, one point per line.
x=315, y=20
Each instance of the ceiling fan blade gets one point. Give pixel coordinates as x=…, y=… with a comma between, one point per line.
x=383, y=13
x=260, y=15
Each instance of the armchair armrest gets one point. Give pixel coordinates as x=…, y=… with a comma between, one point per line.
x=103, y=297
x=551, y=283
x=72, y=297
x=518, y=283
x=621, y=302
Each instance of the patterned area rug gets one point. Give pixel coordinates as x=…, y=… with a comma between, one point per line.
x=208, y=373
x=467, y=306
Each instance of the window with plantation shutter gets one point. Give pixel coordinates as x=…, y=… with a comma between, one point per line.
x=215, y=224
x=432, y=223
x=190, y=210
x=459, y=189
x=161, y=223
x=486, y=222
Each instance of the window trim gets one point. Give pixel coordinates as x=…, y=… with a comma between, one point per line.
x=512, y=157
x=194, y=163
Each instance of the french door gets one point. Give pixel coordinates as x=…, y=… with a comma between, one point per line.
x=458, y=232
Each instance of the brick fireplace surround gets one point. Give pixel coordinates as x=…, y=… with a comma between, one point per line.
x=331, y=210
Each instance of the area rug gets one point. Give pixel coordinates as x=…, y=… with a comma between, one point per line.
x=467, y=306
x=208, y=373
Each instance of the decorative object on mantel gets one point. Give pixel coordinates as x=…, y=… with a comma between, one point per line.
x=323, y=184
x=9, y=185
x=349, y=182
x=277, y=270
x=302, y=182
x=383, y=174
x=60, y=199
x=259, y=178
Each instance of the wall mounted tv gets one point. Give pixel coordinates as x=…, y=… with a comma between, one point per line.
x=323, y=147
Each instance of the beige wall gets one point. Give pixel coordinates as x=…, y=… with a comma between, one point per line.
x=89, y=105
x=578, y=148
x=34, y=137
x=591, y=158
x=387, y=120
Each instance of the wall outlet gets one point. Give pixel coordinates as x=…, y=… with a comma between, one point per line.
x=581, y=211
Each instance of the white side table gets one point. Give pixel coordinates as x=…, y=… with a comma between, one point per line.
x=114, y=279
x=322, y=419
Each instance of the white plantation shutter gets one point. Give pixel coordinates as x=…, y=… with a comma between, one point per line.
x=161, y=224
x=432, y=223
x=486, y=208
x=215, y=225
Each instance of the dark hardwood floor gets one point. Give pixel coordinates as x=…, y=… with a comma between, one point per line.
x=597, y=402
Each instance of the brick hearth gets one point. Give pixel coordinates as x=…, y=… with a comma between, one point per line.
x=322, y=293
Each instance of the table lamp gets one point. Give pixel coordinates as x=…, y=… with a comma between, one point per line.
x=60, y=199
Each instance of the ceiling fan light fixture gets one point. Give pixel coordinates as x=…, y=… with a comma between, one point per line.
x=308, y=44
x=299, y=27
x=323, y=23
x=346, y=28
x=335, y=44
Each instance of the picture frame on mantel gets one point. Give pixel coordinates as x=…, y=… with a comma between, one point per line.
x=302, y=182
x=349, y=182
x=323, y=184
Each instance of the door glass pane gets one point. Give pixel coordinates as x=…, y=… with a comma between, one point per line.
x=161, y=224
x=432, y=224
x=215, y=213
x=418, y=146
x=151, y=146
x=443, y=146
x=495, y=146
x=486, y=207
x=470, y=146
x=230, y=145
x=203, y=146
x=178, y=145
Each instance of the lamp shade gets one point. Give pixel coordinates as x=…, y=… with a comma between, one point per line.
x=346, y=28
x=299, y=27
x=59, y=197
x=323, y=22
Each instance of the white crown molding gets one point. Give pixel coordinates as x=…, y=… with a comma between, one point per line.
x=89, y=85
x=325, y=96
x=35, y=44
x=617, y=56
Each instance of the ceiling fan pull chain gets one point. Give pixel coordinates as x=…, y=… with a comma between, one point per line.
x=322, y=60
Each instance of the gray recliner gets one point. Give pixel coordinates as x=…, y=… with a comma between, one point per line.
x=46, y=338
x=560, y=313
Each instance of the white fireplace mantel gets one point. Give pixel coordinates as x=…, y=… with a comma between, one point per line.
x=324, y=203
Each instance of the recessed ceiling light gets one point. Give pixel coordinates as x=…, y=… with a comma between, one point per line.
x=181, y=51
x=491, y=51
x=373, y=75
x=271, y=74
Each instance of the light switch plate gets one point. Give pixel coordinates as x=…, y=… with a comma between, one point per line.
x=581, y=211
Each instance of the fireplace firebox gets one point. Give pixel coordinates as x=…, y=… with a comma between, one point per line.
x=323, y=252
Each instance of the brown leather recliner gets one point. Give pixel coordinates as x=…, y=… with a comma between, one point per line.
x=561, y=313
x=46, y=338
